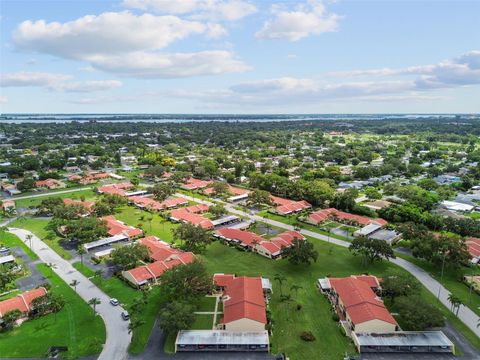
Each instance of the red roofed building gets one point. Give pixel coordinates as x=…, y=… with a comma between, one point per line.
x=195, y=184
x=22, y=302
x=8, y=205
x=287, y=207
x=333, y=214
x=190, y=215
x=92, y=178
x=115, y=189
x=116, y=227
x=50, y=184
x=243, y=303
x=150, y=204
x=235, y=191
x=359, y=306
x=473, y=247
x=269, y=248
x=164, y=257
x=88, y=205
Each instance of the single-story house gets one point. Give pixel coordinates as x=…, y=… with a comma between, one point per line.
x=164, y=257
x=50, y=184
x=195, y=184
x=8, y=205
x=473, y=247
x=87, y=205
x=115, y=189
x=457, y=206
x=191, y=215
x=117, y=227
x=243, y=300
x=287, y=207
x=21, y=302
x=333, y=214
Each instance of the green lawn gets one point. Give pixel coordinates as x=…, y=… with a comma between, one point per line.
x=26, y=203
x=158, y=226
x=10, y=241
x=202, y=322
x=315, y=314
x=206, y=303
x=194, y=194
x=39, y=228
x=118, y=289
x=74, y=326
x=451, y=280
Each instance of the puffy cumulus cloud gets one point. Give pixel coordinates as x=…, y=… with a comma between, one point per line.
x=107, y=42
x=56, y=82
x=420, y=80
x=218, y=10
x=304, y=20
x=107, y=33
x=155, y=65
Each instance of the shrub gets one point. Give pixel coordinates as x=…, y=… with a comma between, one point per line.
x=307, y=336
x=335, y=317
x=299, y=306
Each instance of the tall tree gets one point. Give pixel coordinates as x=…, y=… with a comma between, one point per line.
x=193, y=238
x=371, y=249
x=301, y=252
x=177, y=316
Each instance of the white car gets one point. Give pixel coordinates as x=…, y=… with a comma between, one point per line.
x=114, y=302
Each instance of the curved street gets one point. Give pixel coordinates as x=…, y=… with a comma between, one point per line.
x=467, y=316
x=118, y=338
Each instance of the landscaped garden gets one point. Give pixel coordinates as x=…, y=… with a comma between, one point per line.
x=74, y=327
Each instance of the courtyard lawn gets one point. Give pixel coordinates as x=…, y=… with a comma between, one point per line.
x=74, y=326
x=315, y=314
x=116, y=288
x=158, y=226
x=202, y=322
x=38, y=226
x=451, y=280
x=33, y=202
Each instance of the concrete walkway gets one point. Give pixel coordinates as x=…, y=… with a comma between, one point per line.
x=118, y=338
x=467, y=316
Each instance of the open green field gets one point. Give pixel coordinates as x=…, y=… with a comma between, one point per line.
x=127, y=295
x=74, y=326
x=27, y=203
x=315, y=314
x=39, y=228
x=158, y=226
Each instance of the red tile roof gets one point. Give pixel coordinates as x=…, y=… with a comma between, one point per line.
x=193, y=184
x=231, y=189
x=21, y=302
x=473, y=246
x=116, y=227
x=360, y=302
x=49, y=183
x=332, y=213
x=88, y=205
x=243, y=298
x=186, y=215
x=165, y=258
x=286, y=206
x=115, y=189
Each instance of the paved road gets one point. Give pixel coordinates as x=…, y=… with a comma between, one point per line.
x=49, y=193
x=118, y=337
x=467, y=316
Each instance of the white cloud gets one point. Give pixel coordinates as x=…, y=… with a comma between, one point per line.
x=102, y=100
x=127, y=44
x=155, y=65
x=56, y=82
x=287, y=91
x=3, y=100
x=218, y=10
x=25, y=78
x=305, y=20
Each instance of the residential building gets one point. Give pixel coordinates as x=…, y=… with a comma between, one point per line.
x=117, y=227
x=21, y=302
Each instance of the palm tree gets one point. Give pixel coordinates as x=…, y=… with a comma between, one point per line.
x=29, y=239
x=94, y=302
x=81, y=251
x=98, y=274
x=295, y=288
x=135, y=324
x=455, y=302
x=150, y=219
x=74, y=284
x=280, y=278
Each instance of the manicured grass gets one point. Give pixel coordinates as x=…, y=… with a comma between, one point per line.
x=158, y=226
x=206, y=303
x=202, y=322
x=26, y=203
x=120, y=290
x=10, y=241
x=74, y=326
x=315, y=314
x=194, y=194
x=39, y=228
x=451, y=280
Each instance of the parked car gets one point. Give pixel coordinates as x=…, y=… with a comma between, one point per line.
x=125, y=316
x=114, y=302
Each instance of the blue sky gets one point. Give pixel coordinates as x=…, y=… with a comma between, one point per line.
x=240, y=56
